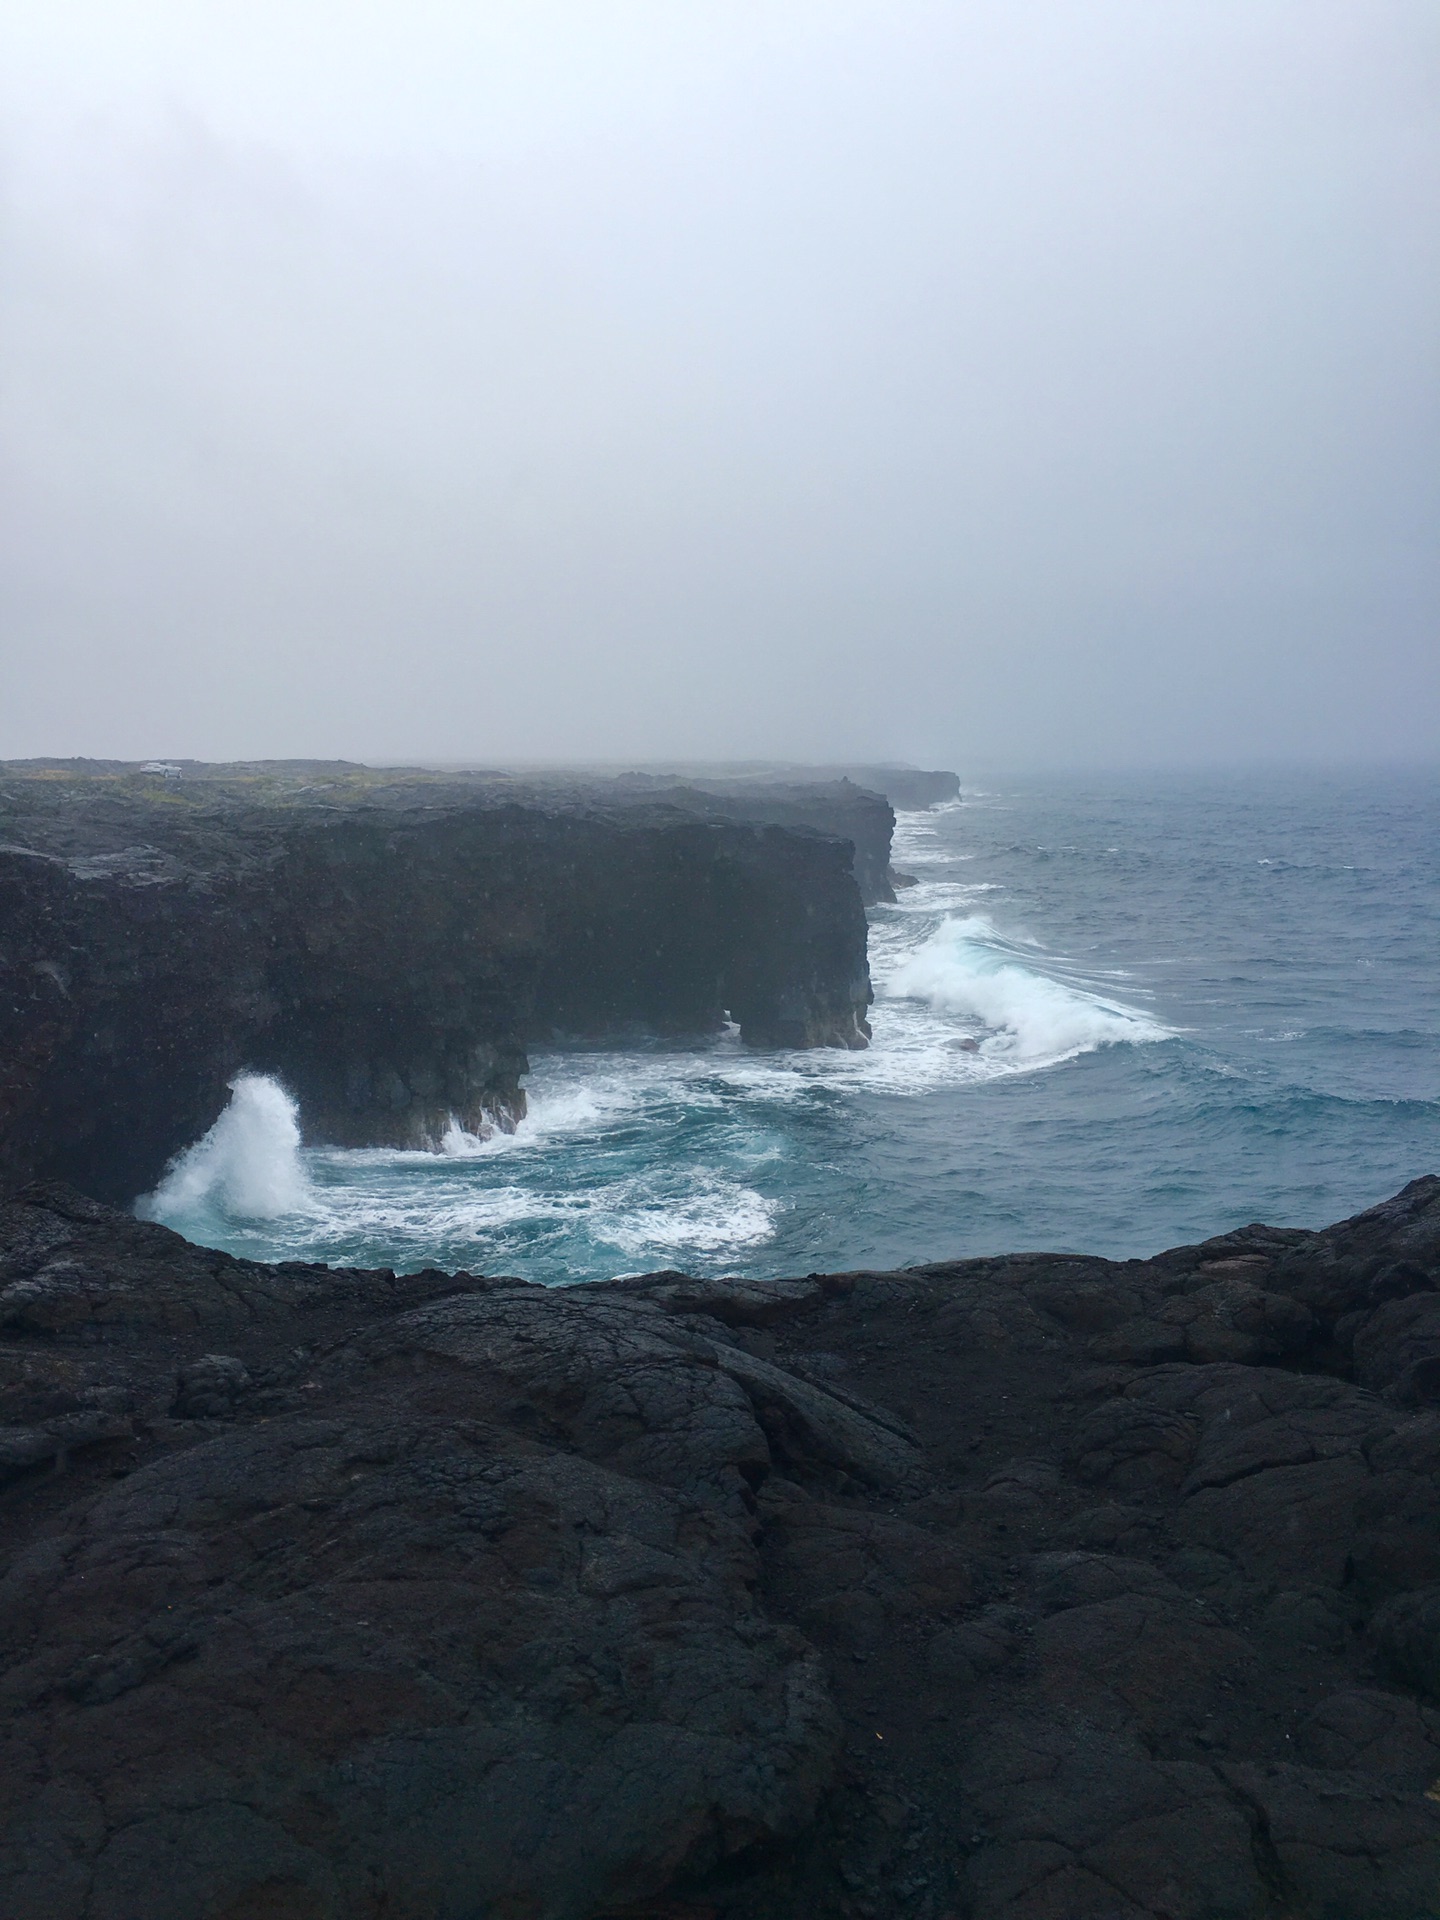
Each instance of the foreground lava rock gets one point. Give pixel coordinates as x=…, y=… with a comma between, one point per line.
x=1039, y=1588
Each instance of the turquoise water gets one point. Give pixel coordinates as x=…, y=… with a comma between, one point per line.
x=1113, y=1015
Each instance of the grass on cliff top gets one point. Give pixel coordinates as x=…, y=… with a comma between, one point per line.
x=263, y=782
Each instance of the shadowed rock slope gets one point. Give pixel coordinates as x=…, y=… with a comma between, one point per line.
x=1039, y=1588
x=389, y=944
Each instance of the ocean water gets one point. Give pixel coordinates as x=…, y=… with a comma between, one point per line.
x=1113, y=1015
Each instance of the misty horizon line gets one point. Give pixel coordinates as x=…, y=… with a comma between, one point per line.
x=681, y=765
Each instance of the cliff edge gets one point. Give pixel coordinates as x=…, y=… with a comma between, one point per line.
x=387, y=944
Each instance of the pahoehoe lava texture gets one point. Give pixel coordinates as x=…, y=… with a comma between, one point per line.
x=1039, y=1588
x=388, y=944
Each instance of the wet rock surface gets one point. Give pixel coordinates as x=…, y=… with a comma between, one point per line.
x=964, y=1591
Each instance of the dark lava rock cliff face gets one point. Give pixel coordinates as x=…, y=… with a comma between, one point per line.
x=909, y=789
x=856, y=803
x=388, y=947
x=1041, y=1588
x=839, y=807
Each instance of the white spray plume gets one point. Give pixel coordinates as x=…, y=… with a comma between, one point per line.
x=247, y=1165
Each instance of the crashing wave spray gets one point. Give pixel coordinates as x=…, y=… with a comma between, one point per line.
x=246, y=1167
x=967, y=968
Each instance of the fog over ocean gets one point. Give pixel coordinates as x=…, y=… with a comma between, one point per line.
x=985, y=385
x=1113, y=1015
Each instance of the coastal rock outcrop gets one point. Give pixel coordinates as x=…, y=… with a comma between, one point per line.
x=988, y=1589
x=840, y=807
x=911, y=789
x=388, y=946
x=908, y=789
x=855, y=803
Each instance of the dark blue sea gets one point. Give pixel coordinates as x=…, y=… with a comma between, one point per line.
x=1114, y=1014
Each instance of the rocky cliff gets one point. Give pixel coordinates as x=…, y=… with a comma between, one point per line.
x=856, y=803
x=838, y=807
x=909, y=789
x=1041, y=1588
x=388, y=945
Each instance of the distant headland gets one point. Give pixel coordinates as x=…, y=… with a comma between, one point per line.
x=390, y=940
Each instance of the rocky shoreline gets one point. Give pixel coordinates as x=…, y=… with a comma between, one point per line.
x=390, y=943
x=1039, y=1588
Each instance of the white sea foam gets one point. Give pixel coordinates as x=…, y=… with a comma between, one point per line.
x=1027, y=1016
x=247, y=1166
x=370, y=1199
x=713, y=1218
x=919, y=837
x=379, y=1197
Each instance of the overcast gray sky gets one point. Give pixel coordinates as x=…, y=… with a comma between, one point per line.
x=988, y=382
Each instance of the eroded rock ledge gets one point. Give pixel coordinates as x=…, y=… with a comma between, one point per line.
x=388, y=944
x=1041, y=1588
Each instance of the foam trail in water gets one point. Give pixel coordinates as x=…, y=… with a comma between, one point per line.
x=719, y=1214
x=965, y=968
x=247, y=1166
x=553, y=1112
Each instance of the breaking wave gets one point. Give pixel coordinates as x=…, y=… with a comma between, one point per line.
x=967, y=968
x=247, y=1167
x=587, y=1165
